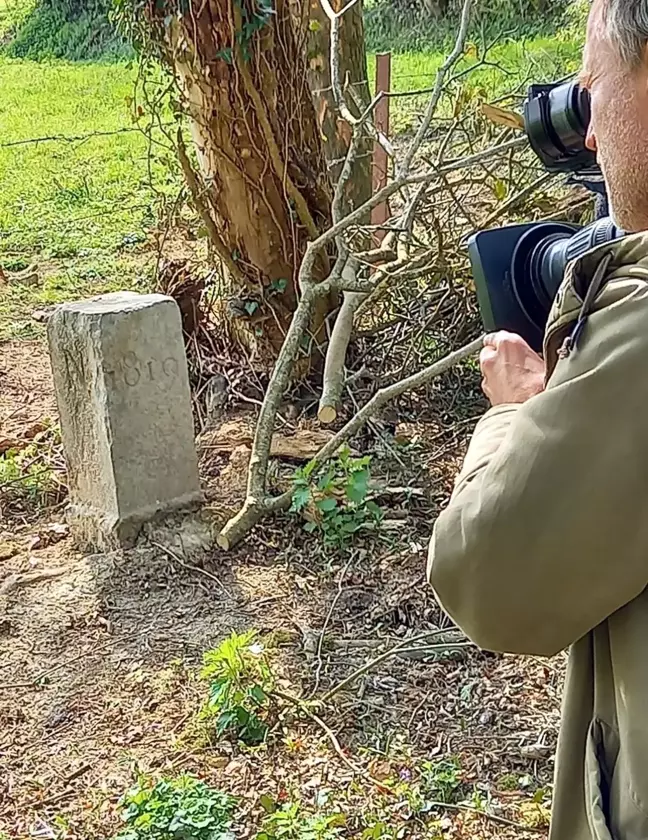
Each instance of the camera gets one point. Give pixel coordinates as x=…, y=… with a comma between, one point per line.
x=517, y=269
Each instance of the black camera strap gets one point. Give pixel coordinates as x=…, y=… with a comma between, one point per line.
x=595, y=286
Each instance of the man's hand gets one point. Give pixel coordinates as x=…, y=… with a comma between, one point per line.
x=512, y=372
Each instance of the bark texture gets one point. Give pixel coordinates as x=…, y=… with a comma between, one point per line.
x=244, y=87
x=314, y=28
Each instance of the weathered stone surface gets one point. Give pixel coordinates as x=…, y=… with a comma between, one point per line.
x=122, y=388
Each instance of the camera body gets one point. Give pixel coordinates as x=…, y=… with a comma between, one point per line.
x=496, y=273
x=517, y=269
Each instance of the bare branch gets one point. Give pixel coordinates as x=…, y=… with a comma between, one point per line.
x=336, y=356
x=256, y=508
x=430, y=111
x=356, y=216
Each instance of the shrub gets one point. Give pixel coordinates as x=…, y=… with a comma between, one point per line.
x=69, y=29
x=183, y=808
x=239, y=683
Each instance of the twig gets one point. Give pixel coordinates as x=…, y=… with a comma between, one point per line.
x=430, y=111
x=356, y=217
x=418, y=708
x=453, y=806
x=374, y=663
x=517, y=198
x=320, y=643
x=45, y=674
x=51, y=800
x=191, y=568
x=305, y=708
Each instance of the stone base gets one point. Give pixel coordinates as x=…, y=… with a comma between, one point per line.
x=93, y=532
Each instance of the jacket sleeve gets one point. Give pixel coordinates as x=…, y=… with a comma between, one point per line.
x=546, y=534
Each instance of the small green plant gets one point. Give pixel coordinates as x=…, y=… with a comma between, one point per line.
x=290, y=822
x=27, y=477
x=239, y=684
x=442, y=780
x=333, y=497
x=183, y=808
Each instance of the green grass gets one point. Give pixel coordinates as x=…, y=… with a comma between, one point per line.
x=518, y=63
x=80, y=211
x=13, y=14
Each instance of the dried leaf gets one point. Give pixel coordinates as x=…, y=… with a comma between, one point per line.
x=502, y=116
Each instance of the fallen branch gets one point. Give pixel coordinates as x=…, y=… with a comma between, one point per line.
x=391, y=392
x=374, y=663
x=305, y=707
x=334, y=368
x=257, y=506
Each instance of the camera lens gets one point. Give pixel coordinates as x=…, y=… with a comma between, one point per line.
x=541, y=257
x=537, y=260
x=556, y=119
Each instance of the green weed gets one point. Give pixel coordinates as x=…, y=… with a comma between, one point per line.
x=183, y=808
x=441, y=781
x=27, y=477
x=239, y=684
x=333, y=497
x=291, y=822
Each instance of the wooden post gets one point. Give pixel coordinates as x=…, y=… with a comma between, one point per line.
x=380, y=214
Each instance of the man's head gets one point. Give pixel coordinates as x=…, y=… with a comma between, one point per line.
x=615, y=71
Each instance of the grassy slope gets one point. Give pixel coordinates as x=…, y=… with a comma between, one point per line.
x=80, y=208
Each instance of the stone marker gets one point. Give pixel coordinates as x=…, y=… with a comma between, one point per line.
x=120, y=375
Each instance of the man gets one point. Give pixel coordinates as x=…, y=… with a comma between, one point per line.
x=544, y=544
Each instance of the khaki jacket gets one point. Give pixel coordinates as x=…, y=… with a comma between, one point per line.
x=545, y=541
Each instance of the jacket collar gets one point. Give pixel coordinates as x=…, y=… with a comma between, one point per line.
x=622, y=255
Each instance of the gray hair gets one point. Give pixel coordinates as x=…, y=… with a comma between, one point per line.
x=627, y=22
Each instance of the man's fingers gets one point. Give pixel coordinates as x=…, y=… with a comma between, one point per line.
x=496, y=339
x=487, y=356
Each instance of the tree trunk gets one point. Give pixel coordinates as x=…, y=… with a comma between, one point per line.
x=244, y=87
x=314, y=28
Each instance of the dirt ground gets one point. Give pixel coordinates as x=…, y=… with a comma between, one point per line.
x=99, y=658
